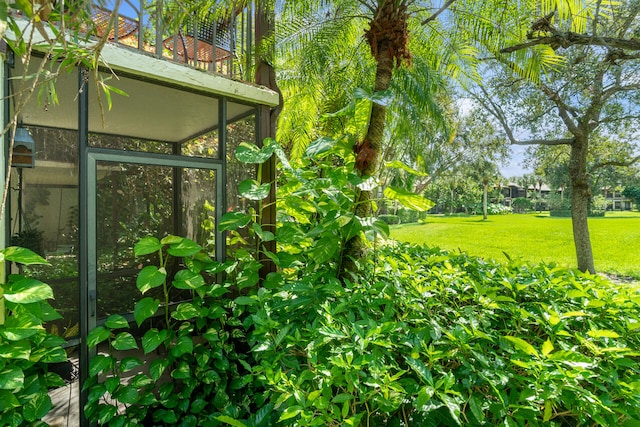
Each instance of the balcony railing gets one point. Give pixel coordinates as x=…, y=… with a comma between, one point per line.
x=216, y=41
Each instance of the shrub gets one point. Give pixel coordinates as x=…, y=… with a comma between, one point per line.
x=390, y=219
x=521, y=204
x=496, y=209
x=407, y=216
x=558, y=201
x=567, y=213
x=633, y=192
x=438, y=339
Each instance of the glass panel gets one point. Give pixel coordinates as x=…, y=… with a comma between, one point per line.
x=199, y=207
x=44, y=218
x=134, y=201
x=203, y=146
x=129, y=144
x=241, y=131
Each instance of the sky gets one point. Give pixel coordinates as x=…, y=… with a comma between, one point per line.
x=514, y=167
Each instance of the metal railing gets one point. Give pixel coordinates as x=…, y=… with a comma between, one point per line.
x=216, y=41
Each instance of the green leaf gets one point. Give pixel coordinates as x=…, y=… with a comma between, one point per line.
x=147, y=245
x=152, y=339
x=251, y=153
x=253, y=190
x=548, y=411
x=185, y=311
x=547, y=347
x=116, y=321
x=408, y=199
x=265, y=236
x=11, y=378
x=144, y=309
x=475, y=405
x=27, y=291
x=342, y=397
x=247, y=279
x=129, y=363
x=397, y=164
x=454, y=408
x=382, y=97
x=124, y=341
x=37, y=407
x=602, y=333
x=290, y=412
x=127, y=395
x=8, y=400
x=243, y=300
x=228, y=420
x=47, y=312
x=97, y=335
x=324, y=249
x=521, y=345
x=184, y=345
x=157, y=368
x=100, y=363
x=170, y=239
x=234, y=220
x=107, y=412
x=52, y=355
x=421, y=369
x=150, y=277
x=22, y=255
x=377, y=225
x=322, y=145
x=15, y=350
x=185, y=279
x=185, y=247
x=21, y=326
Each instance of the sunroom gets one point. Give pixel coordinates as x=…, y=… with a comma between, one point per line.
x=93, y=173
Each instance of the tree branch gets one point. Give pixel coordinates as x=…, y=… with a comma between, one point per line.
x=568, y=39
x=444, y=7
x=616, y=163
x=560, y=141
x=613, y=119
x=610, y=91
x=565, y=111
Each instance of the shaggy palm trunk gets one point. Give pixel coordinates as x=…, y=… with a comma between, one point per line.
x=580, y=204
x=387, y=38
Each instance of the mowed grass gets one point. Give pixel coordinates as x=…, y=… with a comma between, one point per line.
x=534, y=238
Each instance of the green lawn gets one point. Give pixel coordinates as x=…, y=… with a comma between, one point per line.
x=532, y=237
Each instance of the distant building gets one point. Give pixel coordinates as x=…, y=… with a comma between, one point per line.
x=615, y=200
x=511, y=191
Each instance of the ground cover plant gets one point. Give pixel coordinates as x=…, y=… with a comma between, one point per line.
x=431, y=338
x=534, y=238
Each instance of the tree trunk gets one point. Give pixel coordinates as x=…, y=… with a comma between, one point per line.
x=580, y=195
x=382, y=37
x=485, y=191
x=367, y=159
x=268, y=119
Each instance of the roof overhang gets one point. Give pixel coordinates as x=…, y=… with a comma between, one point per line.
x=165, y=101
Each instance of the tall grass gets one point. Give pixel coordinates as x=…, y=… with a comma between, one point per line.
x=533, y=237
